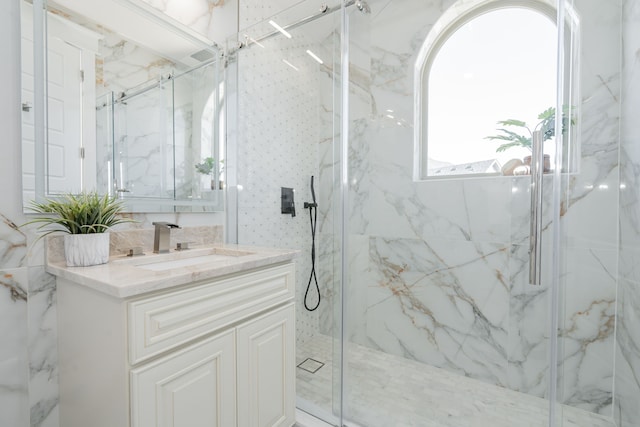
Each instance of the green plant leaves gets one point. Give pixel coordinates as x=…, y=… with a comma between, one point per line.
x=549, y=113
x=514, y=138
x=83, y=213
x=546, y=125
x=207, y=166
x=513, y=122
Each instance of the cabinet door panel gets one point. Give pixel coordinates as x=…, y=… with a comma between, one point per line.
x=194, y=387
x=266, y=370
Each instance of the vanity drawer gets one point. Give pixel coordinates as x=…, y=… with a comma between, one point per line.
x=166, y=321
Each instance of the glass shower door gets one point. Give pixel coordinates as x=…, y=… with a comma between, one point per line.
x=144, y=143
x=442, y=324
x=283, y=90
x=590, y=384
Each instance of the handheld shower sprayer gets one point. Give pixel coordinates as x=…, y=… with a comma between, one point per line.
x=313, y=216
x=313, y=197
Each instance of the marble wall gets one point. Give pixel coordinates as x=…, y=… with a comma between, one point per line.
x=439, y=269
x=215, y=19
x=14, y=289
x=627, y=378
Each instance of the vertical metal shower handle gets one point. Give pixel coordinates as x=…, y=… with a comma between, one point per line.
x=535, y=236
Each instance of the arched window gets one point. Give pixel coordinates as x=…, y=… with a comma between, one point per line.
x=494, y=61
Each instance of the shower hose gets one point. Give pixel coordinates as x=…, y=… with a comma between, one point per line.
x=313, y=217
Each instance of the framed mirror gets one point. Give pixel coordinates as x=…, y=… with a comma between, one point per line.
x=120, y=98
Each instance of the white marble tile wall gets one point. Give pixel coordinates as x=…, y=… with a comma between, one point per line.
x=215, y=19
x=14, y=369
x=627, y=375
x=123, y=65
x=43, y=354
x=14, y=361
x=446, y=277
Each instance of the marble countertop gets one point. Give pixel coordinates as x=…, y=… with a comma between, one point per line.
x=124, y=277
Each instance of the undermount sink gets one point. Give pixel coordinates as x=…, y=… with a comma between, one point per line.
x=163, y=262
x=184, y=262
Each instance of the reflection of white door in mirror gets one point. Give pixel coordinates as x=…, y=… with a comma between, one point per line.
x=64, y=141
x=70, y=152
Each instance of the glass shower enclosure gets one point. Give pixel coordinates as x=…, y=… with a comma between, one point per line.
x=158, y=143
x=477, y=228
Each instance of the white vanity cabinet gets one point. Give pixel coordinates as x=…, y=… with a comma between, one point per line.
x=218, y=352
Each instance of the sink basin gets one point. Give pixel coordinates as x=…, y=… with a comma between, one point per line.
x=163, y=262
x=184, y=262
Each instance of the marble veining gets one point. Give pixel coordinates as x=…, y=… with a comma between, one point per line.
x=212, y=18
x=451, y=303
x=43, y=354
x=14, y=380
x=13, y=244
x=15, y=290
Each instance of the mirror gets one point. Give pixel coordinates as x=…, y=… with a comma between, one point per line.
x=131, y=106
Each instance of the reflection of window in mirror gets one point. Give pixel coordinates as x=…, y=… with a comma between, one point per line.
x=212, y=135
x=495, y=66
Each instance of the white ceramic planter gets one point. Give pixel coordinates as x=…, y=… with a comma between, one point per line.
x=83, y=250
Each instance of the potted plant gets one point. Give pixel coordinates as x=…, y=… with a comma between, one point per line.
x=86, y=218
x=208, y=167
x=512, y=139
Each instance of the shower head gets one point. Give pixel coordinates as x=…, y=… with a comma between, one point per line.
x=363, y=6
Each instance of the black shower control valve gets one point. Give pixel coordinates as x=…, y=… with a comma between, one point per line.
x=287, y=204
x=308, y=205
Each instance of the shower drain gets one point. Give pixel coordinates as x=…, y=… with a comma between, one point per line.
x=310, y=365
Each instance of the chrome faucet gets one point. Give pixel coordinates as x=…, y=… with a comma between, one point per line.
x=162, y=237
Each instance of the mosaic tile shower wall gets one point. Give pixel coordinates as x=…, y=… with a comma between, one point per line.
x=278, y=141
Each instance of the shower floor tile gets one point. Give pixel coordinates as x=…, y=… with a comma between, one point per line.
x=386, y=391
